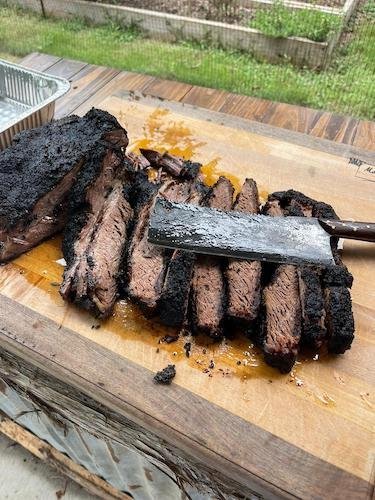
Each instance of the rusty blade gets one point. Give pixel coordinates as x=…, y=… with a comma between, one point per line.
x=295, y=240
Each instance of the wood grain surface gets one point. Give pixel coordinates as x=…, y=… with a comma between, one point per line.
x=307, y=434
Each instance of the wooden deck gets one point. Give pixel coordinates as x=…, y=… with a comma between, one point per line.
x=90, y=83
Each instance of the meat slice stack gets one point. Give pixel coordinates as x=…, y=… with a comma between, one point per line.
x=174, y=299
x=38, y=171
x=244, y=276
x=313, y=332
x=336, y=281
x=95, y=238
x=208, y=296
x=147, y=264
x=327, y=316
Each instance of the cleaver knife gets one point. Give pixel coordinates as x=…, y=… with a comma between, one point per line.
x=294, y=240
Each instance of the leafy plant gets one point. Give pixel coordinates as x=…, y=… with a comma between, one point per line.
x=280, y=21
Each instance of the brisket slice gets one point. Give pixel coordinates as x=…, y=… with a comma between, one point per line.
x=147, y=263
x=281, y=318
x=296, y=203
x=331, y=294
x=244, y=276
x=337, y=275
x=338, y=304
x=95, y=237
x=172, y=165
x=339, y=318
x=208, y=298
x=174, y=298
x=313, y=332
x=38, y=171
x=139, y=162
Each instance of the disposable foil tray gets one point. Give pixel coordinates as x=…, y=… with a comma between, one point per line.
x=27, y=99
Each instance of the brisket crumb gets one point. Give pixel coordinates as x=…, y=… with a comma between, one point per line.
x=187, y=347
x=168, y=339
x=166, y=375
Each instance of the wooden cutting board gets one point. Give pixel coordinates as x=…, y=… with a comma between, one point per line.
x=309, y=434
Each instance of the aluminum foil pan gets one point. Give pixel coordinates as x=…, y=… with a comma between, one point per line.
x=27, y=99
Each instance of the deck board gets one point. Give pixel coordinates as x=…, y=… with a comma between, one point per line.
x=365, y=135
x=123, y=81
x=85, y=83
x=246, y=107
x=91, y=83
x=290, y=117
x=165, y=89
x=40, y=62
x=206, y=98
x=66, y=68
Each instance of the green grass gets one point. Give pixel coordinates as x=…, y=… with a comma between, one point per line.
x=347, y=87
x=279, y=21
x=8, y=57
x=369, y=9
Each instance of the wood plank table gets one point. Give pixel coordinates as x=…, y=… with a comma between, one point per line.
x=80, y=393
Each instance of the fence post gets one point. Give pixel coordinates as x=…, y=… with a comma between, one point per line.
x=43, y=9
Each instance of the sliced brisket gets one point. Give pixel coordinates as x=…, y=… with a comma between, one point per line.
x=323, y=291
x=337, y=275
x=296, y=203
x=339, y=319
x=313, y=332
x=244, y=276
x=140, y=163
x=336, y=281
x=38, y=171
x=281, y=318
x=95, y=237
x=174, y=298
x=177, y=167
x=208, y=297
x=147, y=264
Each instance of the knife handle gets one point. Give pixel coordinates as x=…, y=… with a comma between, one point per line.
x=364, y=231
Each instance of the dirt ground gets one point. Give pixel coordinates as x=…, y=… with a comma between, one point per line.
x=228, y=11
x=216, y=10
